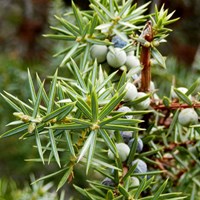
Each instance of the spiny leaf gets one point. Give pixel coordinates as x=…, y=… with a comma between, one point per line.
x=65, y=177
x=78, y=75
x=54, y=146
x=94, y=23
x=14, y=101
x=69, y=143
x=111, y=105
x=39, y=145
x=158, y=57
x=69, y=26
x=123, y=191
x=159, y=191
x=14, y=131
x=122, y=81
x=140, y=188
x=183, y=96
x=94, y=105
x=71, y=126
x=78, y=17
x=60, y=37
x=193, y=87
x=49, y=175
x=83, y=106
x=108, y=141
x=110, y=119
x=32, y=88
x=91, y=150
x=64, y=109
x=109, y=195
x=106, y=11
x=86, y=145
x=69, y=54
x=133, y=149
x=52, y=93
x=37, y=101
x=11, y=103
x=125, y=8
x=44, y=94
x=120, y=127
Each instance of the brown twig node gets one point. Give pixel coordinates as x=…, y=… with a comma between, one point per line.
x=145, y=56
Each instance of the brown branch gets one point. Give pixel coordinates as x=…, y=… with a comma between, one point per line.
x=174, y=106
x=145, y=56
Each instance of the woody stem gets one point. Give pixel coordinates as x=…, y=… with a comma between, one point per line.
x=145, y=58
x=146, y=69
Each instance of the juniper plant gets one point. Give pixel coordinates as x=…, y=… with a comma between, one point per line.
x=78, y=121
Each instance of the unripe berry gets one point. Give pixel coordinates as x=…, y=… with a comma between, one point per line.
x=108, y=182
x=126, y=135
x=99, y=52
x=131, y=92
x=132, y=61
x=123, y=152
x=125, y=109
x=143, y=104
x=139, y=144
x=141, y=166
x=181, y=89
x=135, y=182
x=116, y=57
x=118, y=42
x=187, y=117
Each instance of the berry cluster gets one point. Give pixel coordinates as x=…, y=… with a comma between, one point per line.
x=115, y=55
x=117, y=58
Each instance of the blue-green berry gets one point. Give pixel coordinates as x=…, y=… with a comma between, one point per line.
x=135, y=182
x=126, y=135
x=123, y=152
x=116, y=57
x=131, y=92
x=99, y=52
x=125, y=109
x=143, y=104
x=118, y=42
x=108, y=182
x=187, y=117
x=132, y=62
x=139, y=144
x=141, y=166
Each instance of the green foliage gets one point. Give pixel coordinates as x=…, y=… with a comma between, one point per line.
x=77, y=122
x=40, y=191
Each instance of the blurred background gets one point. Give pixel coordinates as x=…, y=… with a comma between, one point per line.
x=22, y=46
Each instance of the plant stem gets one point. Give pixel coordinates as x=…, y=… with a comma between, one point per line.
x=174, y=106
x=147, y=34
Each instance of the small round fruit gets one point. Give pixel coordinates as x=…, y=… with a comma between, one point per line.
x=141, y=166
x=143, y=104
x=181, y=89
x=118, y=42
x=139, y=144
x=108, y=182
x=116, y=57
x=135, y=182
x=99, y=52
x=126, y=135
x=125, y=109
x=132, y=61
x=131, y=92
x=123, y=152
x=187, y=117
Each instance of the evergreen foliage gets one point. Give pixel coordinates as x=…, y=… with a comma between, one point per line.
x=78, y=122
